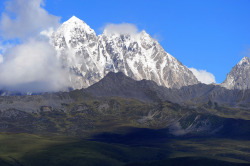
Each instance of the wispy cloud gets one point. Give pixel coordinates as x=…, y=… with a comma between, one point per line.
x=246, y=51
x=203, y=76
x=158, y=37
x=4, y=46
x=123, y=28
x=25, y=18
x=126, y=28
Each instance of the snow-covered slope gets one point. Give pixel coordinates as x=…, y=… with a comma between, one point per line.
x=76, y=44
x=89, y=57
x=239, y=77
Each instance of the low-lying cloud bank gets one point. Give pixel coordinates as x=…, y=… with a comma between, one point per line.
x=203, y=76
x=31, y=65
x=32, y=69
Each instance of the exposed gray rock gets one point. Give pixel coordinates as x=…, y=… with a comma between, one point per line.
x=239, y=77
x=35, y=103
x=118, y=84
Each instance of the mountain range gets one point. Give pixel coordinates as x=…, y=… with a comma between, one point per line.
x=142, y=104
x=89, y=58
x=118, y=84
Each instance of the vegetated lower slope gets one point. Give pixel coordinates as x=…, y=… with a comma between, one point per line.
x=119, y=110
x=29, y=150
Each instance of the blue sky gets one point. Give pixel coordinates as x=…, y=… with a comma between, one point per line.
x=212, y=35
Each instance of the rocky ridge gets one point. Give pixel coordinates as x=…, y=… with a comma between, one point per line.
x=90, y=57
x=239, y=77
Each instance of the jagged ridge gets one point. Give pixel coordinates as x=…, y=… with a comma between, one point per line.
x=239, y=77
x=139, y=56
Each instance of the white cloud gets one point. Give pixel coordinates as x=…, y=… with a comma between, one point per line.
x=124, y=28
x=25, y=18
x=1, y=58
x=32, y=67
x=203, y=76
x=48, y=32
x=4, y=46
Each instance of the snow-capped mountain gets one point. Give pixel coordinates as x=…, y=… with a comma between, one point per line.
x=76, y=44
x=239, y=77
x=90, y=57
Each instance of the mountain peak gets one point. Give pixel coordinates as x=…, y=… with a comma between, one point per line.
x=117, y=76
x=118, y=84
x=244, y=60
x=75, y=23
x=145, y=37
x=74, y=19
x=143, y=32
x=239, y=76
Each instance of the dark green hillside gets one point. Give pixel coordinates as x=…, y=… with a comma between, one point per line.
x=30, y=150
x=187, y=161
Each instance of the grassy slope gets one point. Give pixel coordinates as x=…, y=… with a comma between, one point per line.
x=30, y=150
x=91, y=116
